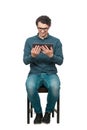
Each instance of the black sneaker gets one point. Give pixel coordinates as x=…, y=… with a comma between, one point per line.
x=46, y=118
x=38, y=118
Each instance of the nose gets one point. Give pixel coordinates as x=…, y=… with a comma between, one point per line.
x=42, y=30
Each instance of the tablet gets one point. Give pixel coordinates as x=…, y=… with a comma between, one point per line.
x=47, y=44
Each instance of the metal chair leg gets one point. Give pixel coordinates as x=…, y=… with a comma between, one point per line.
x=31, y=111
x=28, y=116
x=58, y=110
x=52, y=113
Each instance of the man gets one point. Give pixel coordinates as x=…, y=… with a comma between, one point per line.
x=42, y=52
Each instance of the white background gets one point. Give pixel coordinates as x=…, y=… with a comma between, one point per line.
x=69, y=24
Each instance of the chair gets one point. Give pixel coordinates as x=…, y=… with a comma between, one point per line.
x=42, y=89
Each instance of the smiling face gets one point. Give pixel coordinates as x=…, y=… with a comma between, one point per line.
x=42, y=29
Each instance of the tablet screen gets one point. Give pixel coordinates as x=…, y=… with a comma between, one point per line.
x=47, y=44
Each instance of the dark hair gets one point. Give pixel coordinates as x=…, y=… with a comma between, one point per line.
x=44, y=19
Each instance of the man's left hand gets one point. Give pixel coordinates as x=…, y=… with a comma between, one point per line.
x=47, y=51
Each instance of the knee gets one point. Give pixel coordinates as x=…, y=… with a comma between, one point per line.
x=55, y=88
x=30, y=87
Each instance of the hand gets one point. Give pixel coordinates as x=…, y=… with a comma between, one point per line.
x=47, y=51
x=35, y=51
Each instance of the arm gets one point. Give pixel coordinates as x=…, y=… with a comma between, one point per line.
x=26, y=55
x=58, y=55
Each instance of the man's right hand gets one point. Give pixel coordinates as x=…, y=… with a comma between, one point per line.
x=35, y=51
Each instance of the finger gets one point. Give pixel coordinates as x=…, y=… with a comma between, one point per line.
x=36, y=48
x=33, y=49
x=46, y=47
x=43, y=48
x=51, y=48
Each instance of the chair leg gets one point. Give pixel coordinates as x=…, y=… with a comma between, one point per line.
x=58, y=110
x=52, y=113
x=28, y=116
x=31, y=111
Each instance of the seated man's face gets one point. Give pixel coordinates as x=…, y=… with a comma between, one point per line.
x=42, y=29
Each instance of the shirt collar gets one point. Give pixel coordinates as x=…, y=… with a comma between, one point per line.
x=44, y=37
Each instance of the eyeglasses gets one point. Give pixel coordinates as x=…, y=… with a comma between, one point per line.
x=45, y=29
